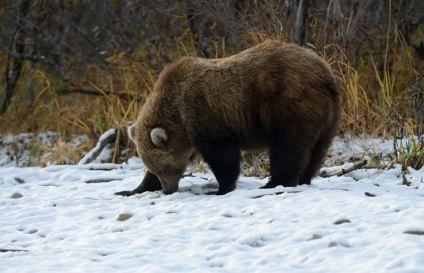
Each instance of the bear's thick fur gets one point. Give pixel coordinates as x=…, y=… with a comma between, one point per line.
x=274, y=96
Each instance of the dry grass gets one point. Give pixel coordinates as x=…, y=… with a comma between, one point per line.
x=374, y=90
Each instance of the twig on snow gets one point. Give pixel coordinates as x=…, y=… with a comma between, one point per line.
x=356, y=166
x=191, y=175
x=101, y=180
x=12, y=250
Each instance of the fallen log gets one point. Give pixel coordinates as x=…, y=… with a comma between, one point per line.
x=355, y=167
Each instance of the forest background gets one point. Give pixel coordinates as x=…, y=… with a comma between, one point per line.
x=83, y=67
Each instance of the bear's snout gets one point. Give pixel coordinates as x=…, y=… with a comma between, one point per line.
x=169, y=182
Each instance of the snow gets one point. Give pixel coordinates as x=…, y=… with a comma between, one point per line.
x=104, y=154
x=65, y=219
x=28, y=149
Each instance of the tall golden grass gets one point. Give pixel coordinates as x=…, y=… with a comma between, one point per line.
x=375, y=91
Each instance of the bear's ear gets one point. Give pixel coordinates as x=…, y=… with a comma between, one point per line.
x=158, y=136
x=131, y=132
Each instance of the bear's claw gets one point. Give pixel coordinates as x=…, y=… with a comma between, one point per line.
x=124, y=193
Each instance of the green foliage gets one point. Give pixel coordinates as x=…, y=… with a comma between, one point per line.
x=34, y=150
x=410, y=152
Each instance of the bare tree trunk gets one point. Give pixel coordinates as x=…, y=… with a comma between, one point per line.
x=198, y=21
x=13, y=75
x=289, y=10
x=300, y=25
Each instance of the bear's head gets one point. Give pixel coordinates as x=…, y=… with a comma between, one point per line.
x=165, y=152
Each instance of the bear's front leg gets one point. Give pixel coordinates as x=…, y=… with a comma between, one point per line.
x=223, y=157
x=149, y=183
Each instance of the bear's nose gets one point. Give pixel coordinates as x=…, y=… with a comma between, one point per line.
x=169, y=183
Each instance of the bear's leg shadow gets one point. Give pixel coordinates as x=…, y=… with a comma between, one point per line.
x=149, y=183
x=288, y=154
x=223, y=157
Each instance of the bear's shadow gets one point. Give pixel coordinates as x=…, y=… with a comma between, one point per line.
x=211, y=186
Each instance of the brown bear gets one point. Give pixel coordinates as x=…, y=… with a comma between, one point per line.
x=274, y=96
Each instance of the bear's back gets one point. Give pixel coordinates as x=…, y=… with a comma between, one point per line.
x=244, y=92
x=272, y=77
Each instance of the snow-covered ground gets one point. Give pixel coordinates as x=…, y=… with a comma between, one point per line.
x=66, y=219
x=27, y=149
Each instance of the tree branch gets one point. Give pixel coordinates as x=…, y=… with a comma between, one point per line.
x=300, y=25
x=356, y=166
x=34, y=58
x=105, y=139
x=13, y=75
x=94, y=92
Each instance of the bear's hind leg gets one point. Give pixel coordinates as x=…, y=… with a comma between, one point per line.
x=223, y=157
x=317, y=156
x=288, y=156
